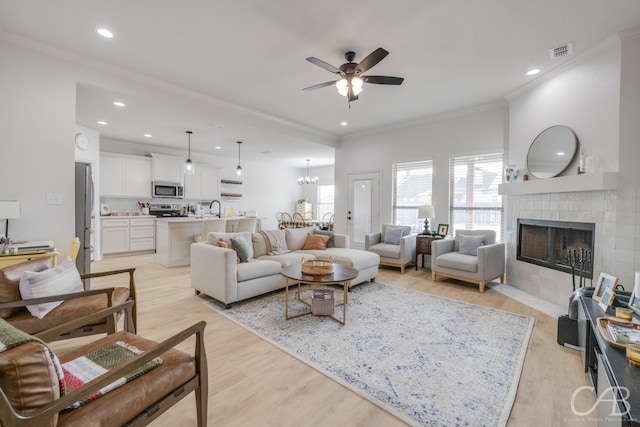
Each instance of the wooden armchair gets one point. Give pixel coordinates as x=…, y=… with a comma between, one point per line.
x=30, y=393
x=75, y=305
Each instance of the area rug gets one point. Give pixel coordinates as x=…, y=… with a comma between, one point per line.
x=427, y=360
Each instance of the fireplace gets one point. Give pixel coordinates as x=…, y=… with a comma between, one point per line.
x=558, y=245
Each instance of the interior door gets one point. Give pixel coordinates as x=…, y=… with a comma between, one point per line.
x=363, y=206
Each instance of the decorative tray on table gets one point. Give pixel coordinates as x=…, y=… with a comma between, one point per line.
x=618, y=333
x=317, y=267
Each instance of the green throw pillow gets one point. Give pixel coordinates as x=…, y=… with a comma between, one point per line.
x=242, y=248
x=330, y=243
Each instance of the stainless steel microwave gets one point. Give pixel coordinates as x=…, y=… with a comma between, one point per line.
x=171, y=190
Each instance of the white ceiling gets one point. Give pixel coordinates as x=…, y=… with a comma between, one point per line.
x=234, y=69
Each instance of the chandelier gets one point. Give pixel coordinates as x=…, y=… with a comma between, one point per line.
x=307, y=179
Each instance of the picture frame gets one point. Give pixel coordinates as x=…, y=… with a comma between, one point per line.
x=605, y=281
x=606, y=298
x=634, y=301
x=443, y=229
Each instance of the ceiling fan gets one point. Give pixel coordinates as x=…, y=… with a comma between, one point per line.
x=351, y=78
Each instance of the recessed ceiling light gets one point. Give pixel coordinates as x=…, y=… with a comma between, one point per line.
x=560, y=153
x=102, y=122
x=118, y=103
x=533, y=72
x=218, y=148
x=105, y=33
x=266, y=152
x=343, y=123
x=148, y=135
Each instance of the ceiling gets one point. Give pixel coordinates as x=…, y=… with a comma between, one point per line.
x=234, y=69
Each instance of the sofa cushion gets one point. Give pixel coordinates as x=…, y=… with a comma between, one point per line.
x=392, y=235
x=315, y=241
x=360, y=260
x=386, y=250
x=468, y=245
x=67, y=311
x=256, y=268
x=259, y=245
x=28, y=378
x=458, y=261
x=213, y=237
x=62, y=279
x=296, y=237
x=243, y=248
x=10, y=282
x=290, y=258
x=331, y=234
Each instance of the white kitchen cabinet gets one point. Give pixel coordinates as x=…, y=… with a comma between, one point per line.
x=202, y=185
x=167, y=168
x=115, y=235
x=125, y=176
x=121, y=235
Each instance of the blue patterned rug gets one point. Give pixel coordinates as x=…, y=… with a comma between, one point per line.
x=430, y=361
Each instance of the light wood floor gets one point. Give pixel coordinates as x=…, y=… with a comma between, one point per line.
x=252, y=383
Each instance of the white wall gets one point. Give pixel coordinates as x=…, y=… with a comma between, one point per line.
x=599, y=97
x=37, y=128
x=480, y=130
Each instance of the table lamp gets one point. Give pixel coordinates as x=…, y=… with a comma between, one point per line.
x=9, y=209
x=426, y=212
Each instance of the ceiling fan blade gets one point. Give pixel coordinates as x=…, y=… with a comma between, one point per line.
x=318, y=86
x=382, y=80
x=324, y=65
x=371, y=60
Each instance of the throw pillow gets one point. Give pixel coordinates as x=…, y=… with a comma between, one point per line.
x=469, y=244
x=392, y=235
x=315, y=241
x=10, y=282
x=331, y=234
x=242, y=248
x=63, y=279
x=224, y=244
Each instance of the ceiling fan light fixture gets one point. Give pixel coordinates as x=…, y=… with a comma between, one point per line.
x=342, y=86
x=189, y=167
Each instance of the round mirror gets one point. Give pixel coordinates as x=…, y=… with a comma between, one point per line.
x=552, y=151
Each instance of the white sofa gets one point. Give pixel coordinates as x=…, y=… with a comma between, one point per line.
x=215, y=272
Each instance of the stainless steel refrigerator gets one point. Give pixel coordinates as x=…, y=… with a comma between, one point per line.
x=84, y=215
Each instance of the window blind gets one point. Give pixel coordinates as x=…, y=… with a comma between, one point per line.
x=411, y=188
x=474, y=199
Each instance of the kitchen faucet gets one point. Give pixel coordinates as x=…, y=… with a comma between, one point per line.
x=219, y=207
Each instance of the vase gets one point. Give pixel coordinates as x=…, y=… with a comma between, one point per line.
x=511, y=173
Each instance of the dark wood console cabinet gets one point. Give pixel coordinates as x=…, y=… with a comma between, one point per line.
x=423, y=246
x=609, y=370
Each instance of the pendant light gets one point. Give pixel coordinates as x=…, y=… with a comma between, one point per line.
x=239, y=168
x=307, y=179
x=189, y=167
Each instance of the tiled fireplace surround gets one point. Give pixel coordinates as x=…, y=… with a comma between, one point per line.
x=616, y=214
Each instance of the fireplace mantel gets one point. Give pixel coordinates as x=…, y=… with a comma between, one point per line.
x=563, y=184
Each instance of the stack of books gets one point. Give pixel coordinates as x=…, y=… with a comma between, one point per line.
x=39, y=246
x=624, y=335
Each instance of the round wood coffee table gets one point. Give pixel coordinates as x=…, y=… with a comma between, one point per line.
x=342, y=275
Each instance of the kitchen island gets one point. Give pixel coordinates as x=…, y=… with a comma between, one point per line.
x=174, y=236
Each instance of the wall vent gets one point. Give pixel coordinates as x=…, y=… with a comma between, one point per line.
x=560, y=51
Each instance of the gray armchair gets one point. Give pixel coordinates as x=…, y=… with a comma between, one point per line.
x=453, y=257
x=395, y=249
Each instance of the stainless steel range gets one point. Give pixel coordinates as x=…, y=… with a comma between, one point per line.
x=168, y=210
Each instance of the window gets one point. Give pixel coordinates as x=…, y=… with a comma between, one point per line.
x=474, y=199
x=325, y=200
x=411, y=189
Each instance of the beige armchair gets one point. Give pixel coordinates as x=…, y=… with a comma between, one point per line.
x=395, y=250
x=454, y=257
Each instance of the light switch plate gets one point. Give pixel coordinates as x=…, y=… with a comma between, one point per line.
x=54, y=199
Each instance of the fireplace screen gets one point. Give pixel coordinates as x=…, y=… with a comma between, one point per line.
x=560, y=245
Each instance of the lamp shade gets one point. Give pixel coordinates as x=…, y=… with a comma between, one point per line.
x=9, y=209
x=426, y=212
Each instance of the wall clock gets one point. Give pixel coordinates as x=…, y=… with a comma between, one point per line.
x=82, y=141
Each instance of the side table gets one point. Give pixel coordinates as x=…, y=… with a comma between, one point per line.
x=423, y=246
